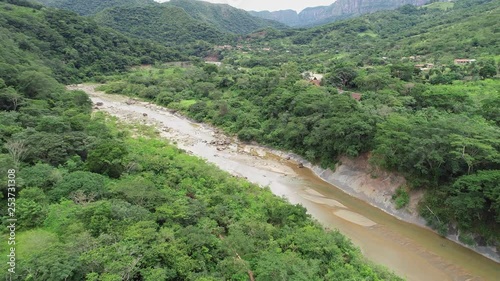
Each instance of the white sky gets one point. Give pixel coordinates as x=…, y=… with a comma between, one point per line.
x=271, y=5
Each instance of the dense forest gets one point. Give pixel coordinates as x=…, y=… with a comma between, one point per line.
x=95, y=201
x=166, y=24
x=433, y=121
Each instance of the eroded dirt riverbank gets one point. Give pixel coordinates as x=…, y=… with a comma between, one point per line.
x=411, y=251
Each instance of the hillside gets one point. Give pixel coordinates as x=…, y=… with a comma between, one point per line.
x=224, y=17
x=465, y=29
x=166, y=24
x=72, y=47
x=340, y=9
x=207, y=17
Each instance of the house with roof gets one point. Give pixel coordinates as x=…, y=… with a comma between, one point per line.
x=464, y=61
x=356, y=96
x=316, y=82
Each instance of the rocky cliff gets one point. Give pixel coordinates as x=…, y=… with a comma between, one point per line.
x=340, y=9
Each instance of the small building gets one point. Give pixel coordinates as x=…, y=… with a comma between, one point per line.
x=217, y=63
x=224, y=47
x=316, y=82
x=464, y=61
x=356, y=96
x=424, y=66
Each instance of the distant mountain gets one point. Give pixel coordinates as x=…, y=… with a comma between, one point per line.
x=224, y=17
x=288, y=17
x=340, y=9
x=90, y=7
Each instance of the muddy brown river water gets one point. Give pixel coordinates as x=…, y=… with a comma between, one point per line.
x=411, y=251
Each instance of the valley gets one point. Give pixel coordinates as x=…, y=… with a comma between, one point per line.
x=188, y=140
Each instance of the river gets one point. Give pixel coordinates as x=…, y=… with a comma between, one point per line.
x=411, y=251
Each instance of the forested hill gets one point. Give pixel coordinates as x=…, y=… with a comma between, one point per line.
x=166, y=24
x=206, y=17
x=72, y=47
x=224, y=17
x=90, y=7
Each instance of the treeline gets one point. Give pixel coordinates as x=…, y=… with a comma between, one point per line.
x=91, y=7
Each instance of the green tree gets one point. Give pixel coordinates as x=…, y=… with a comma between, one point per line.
x=107, y=158
x=342, y=77
x=488, y=70
x=34, y=84
x=476, y=197
x=285, y=266
x=81, y=186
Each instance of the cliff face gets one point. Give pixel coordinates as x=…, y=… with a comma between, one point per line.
x=340, y=9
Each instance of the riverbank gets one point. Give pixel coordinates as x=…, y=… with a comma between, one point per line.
x=355, y=177
x=411, y=251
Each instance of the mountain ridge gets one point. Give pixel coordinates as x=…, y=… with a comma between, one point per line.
x=86, y=7
x=223, y=17
x=340, y=9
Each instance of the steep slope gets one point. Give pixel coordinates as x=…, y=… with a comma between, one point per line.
x=224, y=17
x=162, y=23
x=70, y=46
x=90, y=7
x=340, y=9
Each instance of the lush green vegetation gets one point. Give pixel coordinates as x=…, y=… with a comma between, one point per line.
x=401, y=198
x=196, y=14
x=224, y=17
x=166, y=24
x=96, y=203
x=436, y=125
x=169, y=216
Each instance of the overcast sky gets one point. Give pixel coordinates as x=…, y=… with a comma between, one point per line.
x=271, y=5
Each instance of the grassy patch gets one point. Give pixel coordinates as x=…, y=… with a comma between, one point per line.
x=401, y=198
x=440, y=5
x=368, y=33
